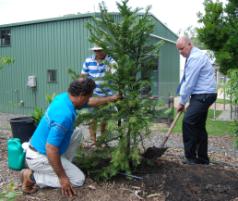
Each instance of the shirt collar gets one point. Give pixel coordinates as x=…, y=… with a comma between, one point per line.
x=194, y=49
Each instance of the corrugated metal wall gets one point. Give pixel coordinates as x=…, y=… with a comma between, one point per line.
x=60, y=44
x=168, y=70
x=168, y=64
x=37, y=47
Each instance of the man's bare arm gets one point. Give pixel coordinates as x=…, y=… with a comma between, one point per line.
x=55, y=161
x=97, y=101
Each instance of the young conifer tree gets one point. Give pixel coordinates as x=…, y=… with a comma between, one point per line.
x=126, y=38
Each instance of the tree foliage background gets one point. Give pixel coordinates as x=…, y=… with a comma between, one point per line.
x=126, y=38
x=219, y=32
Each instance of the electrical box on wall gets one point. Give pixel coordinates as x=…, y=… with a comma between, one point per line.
x=31, y=81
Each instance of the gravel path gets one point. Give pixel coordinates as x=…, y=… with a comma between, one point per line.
x=4, y=120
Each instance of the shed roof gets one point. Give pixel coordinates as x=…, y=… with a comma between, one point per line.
x=65, y=17
x=69, y=17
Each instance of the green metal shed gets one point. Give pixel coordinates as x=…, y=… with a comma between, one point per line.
x=43, y=51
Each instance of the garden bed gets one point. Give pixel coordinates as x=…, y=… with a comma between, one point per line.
x=167, y=180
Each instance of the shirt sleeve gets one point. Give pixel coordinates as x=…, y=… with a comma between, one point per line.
x=192, y=70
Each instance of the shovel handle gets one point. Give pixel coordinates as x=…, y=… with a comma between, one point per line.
x=171, y=128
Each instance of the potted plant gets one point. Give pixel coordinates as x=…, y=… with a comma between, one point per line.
x=24, y=127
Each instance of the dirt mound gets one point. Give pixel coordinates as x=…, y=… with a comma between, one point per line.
x=181, y=182
x=167, y=180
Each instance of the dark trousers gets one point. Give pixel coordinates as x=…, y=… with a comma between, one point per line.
x=195, y=136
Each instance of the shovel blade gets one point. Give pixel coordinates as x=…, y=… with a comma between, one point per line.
x=154, y=152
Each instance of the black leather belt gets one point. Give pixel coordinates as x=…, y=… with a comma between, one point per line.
x=212, y=94
x=32, y=148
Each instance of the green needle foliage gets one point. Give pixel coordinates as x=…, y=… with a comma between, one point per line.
x=126, y=38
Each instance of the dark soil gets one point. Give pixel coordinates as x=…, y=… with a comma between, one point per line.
x=166, y=179
x=190, y=182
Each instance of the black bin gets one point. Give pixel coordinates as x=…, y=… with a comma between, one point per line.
x=22, y=128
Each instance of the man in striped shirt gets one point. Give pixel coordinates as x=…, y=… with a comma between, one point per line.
x=95, y=68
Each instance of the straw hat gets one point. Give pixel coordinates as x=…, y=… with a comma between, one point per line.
x=95, y=47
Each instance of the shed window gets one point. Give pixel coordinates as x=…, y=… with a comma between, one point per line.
x=5, y=37
x=52, y=76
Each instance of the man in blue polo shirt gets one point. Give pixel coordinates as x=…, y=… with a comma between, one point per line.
x=95, y=68
x=54, y=142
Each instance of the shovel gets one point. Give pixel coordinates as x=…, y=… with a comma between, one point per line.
x=170, y=129
x=156, y=152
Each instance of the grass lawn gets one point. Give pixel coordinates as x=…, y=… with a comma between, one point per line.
x=222, y=101
x=214, y=127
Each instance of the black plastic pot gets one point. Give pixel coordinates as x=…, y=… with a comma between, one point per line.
x=22, y=128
